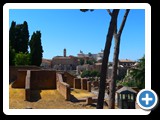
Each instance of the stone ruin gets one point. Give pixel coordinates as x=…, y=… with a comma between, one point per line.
x=38, y=79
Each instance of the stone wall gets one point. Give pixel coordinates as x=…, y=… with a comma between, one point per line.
x=40, y=79
x=43, y=79
x=95, y=83
x=69, y=79
x=28, y=94
x=77, y=83
x=13, y=71
x=88, y=86
x=20, y=81
x=63, y=87
x=83, y=84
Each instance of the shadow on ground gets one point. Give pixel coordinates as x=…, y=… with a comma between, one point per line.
x=73, y=99
x=35, y=95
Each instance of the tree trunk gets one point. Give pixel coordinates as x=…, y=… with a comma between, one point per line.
x=104, y=68
x=114, y=73
x=117, y=37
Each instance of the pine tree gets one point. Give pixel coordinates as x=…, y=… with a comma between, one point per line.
x=12, y=35
x=25, y=37
x=19, y=37
x=11, y=55
x=36, y=50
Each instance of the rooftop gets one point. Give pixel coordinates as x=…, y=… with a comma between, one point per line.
x=46, y=60
x=126, y=60
x=62, y=57
x=126, y=89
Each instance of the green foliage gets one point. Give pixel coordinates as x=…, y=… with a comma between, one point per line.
x=19, y=41
x=11, y=55
x=85, y=10
x=36, y=48
x=90, y=62
x=90, y=54
x=12, y=40
x=81, y=61
x=22, y=59
x=25, y=37
x=130, y=83
x=88, y=73
x=19, y=37
x=136, y=75
x=94, y=73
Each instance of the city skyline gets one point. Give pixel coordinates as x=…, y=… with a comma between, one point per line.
x=76, y=30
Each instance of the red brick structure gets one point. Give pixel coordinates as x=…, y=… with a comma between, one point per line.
x=69, y=79
x=33, y=81
x=40, y=79
x=77, y=83
x=84, y=84
x=64, y=62
x=43, y=79
x=63, y=87
x=20, y=81
x=89, y=86
x=13, y=71
x=28, y=94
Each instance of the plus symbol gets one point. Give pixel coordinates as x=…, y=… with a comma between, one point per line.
x=147, y=99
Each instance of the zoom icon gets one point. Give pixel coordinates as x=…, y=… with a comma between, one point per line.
x=147, y=99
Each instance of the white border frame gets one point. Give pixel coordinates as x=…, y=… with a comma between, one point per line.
x=8, y=6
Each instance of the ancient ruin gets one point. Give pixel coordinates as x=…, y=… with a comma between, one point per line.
x=40, y=79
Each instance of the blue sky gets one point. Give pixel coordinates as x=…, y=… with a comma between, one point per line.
x=76, y=30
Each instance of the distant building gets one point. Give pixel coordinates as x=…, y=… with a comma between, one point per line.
x=46, y=63
x=96, y=57
x=123, y=65
x=64, y=62
x=99, y=56
x=81, y=68
x=126, y=63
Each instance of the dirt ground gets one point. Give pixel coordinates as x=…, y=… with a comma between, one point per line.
x=48, y=99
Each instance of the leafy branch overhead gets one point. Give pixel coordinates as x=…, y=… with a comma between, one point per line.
x=85, y=10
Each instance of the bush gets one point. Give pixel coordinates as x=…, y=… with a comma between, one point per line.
x=88, y=73
x=22, y=59
x=85, y=73
x=11, y=56
x=130, y=83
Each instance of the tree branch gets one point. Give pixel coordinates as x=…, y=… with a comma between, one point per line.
x=123, y=22
x=110, y=13
x=84, y=10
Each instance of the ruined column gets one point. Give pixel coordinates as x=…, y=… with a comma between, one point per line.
x=77, y=83
x=89, y=86
x=84, y=83
x=27, y=87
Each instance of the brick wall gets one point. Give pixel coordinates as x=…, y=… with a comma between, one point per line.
x=77, y=83
x=63, y=87
x=83, y=84
x=39, y=79
x=13, y=71
x=28, y=94
x=43, y=79
x=20, y=81
x=69, y=79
